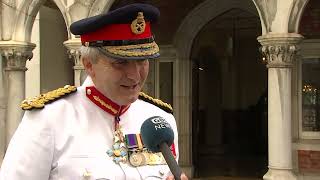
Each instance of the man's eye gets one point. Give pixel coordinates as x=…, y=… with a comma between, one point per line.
x=121, y=62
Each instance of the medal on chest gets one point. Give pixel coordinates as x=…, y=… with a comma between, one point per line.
x=139, y=155
x=119, y=150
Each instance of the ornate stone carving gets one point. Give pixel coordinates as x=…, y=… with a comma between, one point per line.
x=281, y=55
x=73, y=46
x=9, y=3
x=87, y=3
x=75, y=55
x=16, y=60
x=280, y=50
x=16, y=54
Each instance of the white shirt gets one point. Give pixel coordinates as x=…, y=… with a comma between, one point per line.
x=68, y=140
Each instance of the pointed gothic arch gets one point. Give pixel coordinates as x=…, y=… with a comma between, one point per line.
x=199, y=17
x=24, y=20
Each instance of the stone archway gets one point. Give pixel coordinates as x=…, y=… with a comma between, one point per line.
x=183, y=41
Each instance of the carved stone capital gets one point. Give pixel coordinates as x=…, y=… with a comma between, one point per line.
x=75, y=55
x=16, y=54
x=73, y=46
x=279, y=55
x=280, y=50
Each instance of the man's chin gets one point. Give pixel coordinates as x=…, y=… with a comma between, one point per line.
x=130, y=99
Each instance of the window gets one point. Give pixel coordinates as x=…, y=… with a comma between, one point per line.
x=160, y=82
x=166, y=81
x=310, y=97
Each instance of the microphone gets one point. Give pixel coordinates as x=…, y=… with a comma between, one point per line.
x=157, y=135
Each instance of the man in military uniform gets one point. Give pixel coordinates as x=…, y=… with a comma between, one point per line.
x=93, y=131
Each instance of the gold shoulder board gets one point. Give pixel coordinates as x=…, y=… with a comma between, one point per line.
x=39, y=101
x=157, y=102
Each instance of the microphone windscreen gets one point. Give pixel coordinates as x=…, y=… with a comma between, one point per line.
x=154, y=131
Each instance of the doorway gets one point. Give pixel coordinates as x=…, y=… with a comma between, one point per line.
x=229, y=95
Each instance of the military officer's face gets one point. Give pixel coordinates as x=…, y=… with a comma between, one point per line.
x=119, y=80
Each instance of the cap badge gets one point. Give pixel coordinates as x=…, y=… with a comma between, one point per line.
x=138, y=25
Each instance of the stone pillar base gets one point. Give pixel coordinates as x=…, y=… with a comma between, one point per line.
x=188, y=170
x=279, y=174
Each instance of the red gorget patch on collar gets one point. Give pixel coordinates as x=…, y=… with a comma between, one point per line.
x=105, y=103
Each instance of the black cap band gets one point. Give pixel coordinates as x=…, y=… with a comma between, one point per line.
x=118, y=42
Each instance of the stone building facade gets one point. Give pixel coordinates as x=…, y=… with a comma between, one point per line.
x=242, y=76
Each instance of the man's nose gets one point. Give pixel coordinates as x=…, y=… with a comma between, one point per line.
x=133, y=70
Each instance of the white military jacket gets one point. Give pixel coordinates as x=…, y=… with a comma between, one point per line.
x=69, y=138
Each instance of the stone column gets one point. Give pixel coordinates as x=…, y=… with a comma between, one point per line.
x=279, y=51
x=73, y=46
x=182, y=113
x=3, y=108
x=15, y=54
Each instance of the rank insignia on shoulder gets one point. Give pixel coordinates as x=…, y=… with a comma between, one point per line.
x=157, y=102
x=40, y=101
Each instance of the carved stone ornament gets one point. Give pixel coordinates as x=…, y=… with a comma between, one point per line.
x=76, y=56
x=73, y=46
x=280, y=50
x=16, y=54
x=279, y=55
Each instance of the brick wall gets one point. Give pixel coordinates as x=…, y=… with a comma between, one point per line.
x=309, y=161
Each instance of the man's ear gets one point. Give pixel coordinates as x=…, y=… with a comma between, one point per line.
x=87, y=64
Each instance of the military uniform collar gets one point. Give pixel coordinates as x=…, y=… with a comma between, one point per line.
x=105, y=103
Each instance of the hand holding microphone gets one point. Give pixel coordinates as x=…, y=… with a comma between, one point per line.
x=157, y=136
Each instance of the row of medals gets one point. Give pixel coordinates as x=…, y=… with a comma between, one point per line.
x=137, y=157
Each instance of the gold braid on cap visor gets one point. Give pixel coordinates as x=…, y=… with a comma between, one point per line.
x=134, y=50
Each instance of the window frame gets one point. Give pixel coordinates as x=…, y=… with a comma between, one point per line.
x=168, y=54
x=310, y=49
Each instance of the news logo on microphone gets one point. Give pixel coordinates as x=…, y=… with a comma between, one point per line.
x=160, y=123
x=154, y=131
